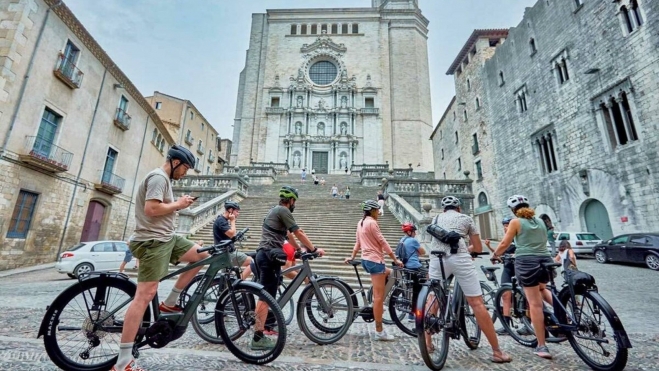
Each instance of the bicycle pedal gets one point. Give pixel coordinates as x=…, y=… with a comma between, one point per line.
x=556, y=339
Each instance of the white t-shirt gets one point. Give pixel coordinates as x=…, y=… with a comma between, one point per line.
x=335, y=190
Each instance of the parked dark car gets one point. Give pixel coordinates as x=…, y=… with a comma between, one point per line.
x=630, y=248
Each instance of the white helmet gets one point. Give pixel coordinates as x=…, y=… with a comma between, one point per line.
x=516, y=200
x=450, y=201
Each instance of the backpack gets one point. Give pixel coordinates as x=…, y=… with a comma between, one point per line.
x=401, y=251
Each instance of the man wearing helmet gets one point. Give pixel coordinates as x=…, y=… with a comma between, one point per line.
x=224, y=228
x=278, y=226
x=412, y=251
x=460, y=264
x=156, y=246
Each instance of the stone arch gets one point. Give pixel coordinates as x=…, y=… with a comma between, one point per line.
x=596, y=218
x=482, y=199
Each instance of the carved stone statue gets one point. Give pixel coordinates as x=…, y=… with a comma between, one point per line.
x=298, y=128
x=344, y=128
x=344, y=74
x=344, y=101
x=296, y=160
x=343, y=161
x=300, y=101
x=300, y=74
x=321, y=129
x=321, y=104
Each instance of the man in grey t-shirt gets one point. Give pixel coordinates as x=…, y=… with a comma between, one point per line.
x=156, y=246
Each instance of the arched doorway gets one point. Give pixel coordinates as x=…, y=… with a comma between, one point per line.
x=597, y=219
x=484, y=215
x=93, y=222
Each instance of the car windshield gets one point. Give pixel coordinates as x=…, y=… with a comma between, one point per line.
x=76, y=247
x=587, y=236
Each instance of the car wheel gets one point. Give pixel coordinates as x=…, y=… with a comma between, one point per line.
x=600, y=256
x=71, y=275
x=652, y=261
x=82, y=269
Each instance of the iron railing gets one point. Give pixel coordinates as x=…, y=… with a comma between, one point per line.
x=122, y=119
x=48, y=152
x=68, y=72
x=112, y=181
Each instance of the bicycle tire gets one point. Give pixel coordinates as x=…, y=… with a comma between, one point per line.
x=289, y=308
x=54, y=321
x=398, y=301
x=620, y=360
x=207, y=333
x=385, y=304
x=224, y=305
x=468, y=322
x=305, y=306
x=488, y=299
x=425, y=322
x=518, y=313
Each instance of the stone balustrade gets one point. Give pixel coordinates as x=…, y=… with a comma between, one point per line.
x=404, y=212
x=403, y=173
x=207, y=187
x=254, y=174
x=189, y=221
x=281, y=168
x=431, y=191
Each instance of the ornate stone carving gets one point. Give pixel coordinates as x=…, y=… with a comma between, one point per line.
x=325, y=43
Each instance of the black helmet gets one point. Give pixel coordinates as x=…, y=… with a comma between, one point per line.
x=288, y=192
x=182, y=154
x=231, y=205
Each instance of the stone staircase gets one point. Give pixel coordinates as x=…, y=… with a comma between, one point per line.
x=329, y=223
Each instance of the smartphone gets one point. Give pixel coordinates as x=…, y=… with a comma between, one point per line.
x=194, y=198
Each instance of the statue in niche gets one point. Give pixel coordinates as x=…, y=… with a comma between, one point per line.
x=344, y=74
x=298, y=128
x=343, y=161
x=321, y=104
x=300, y=101
x=344, y=128
x=344, y=101
x=296, y=160
x=321, y=129
x=300, y=74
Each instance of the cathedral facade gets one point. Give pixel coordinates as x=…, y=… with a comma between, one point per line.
x=328, y=88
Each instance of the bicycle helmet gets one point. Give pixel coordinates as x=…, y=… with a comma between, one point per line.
x=516, y=200
x=506, y=221
x=231, y=205
x=288, y=192
x=450, y=201
x=408, y=227
x=369, y=205
x=182, y=154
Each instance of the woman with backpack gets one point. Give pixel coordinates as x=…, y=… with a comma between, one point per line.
x=408, y=252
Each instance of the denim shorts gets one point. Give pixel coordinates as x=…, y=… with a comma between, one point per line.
x=373, y=267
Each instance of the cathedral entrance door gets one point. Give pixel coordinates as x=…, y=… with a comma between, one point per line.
x=320, y=162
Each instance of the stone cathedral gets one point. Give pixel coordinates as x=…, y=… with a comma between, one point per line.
x=327, y=88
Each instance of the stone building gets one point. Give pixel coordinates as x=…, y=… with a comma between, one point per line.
x=462, y=141
x=75, y=136
x=572, y=97
x=325, y=88
x=223, y=153
x=190, y=129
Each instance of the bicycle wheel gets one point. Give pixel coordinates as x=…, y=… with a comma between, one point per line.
x=519, y=327
x=433, y=338
x=203, y=319
x=386, y=316
x=289, y=308
x=73, y=338
x=400, y=306
x=591, y=340
x=488, y=298
x=236, y=320
x=471, y=332
x=331, y=322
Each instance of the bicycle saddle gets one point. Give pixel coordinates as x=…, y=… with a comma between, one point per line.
x=490, y=269
x=355, y=262
x=251, y=254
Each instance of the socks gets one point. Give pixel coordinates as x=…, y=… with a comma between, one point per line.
x=172, y=298
x=258, y=335
x=125, y=356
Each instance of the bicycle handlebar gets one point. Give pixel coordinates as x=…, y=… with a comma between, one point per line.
x=223, y=244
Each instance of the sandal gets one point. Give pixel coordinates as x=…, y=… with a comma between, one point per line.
x=501, y=358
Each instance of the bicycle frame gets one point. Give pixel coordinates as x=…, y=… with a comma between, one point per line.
x=304, y=272
x=392, y=279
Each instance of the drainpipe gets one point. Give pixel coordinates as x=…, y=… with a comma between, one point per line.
x=21, y=93
x=185, y=119
x=139, y=159
x=82, y=163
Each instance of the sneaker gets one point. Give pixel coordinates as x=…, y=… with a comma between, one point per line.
x=525, y=331
x=542, y=352
x=131, y=367
x=164, y=308
x=501, y=331
x=264, y=344
x=384, y=336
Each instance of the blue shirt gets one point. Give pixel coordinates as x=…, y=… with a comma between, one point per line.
x=412, y=252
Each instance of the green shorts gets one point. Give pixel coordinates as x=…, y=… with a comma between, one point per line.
x=238, y=258
x=155, y=256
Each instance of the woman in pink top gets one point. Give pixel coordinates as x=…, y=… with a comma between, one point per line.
x=373, y=246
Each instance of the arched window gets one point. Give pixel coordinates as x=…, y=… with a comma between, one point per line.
x=626, y=18
x=532, y=46
x=501, y=80
x=478, y=103
x=636, y=11
x=293, y=29
x=482, y=199
x=159, y=140
x=155, y=135
x=468, y=85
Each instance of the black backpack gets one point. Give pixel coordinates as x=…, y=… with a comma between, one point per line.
x=401, y=251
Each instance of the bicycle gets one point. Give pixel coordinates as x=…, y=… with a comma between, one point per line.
x=567, y=319
x=447, y=314
x=489, y=294
x=402, y=296
x=366, y=311
x=97, y=316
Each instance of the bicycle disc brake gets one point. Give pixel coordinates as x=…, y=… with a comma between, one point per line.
x=159, y=334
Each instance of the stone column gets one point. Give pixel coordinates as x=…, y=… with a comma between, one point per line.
x=550, y=158
x=609, y=106
x=625, y=119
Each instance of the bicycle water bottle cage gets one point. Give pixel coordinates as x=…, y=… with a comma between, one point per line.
x=103, y=275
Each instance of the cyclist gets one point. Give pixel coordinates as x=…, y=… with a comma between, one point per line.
x=373, y=246
x=461, y=266
x=530, y=236
x=278, y=226
x=224, y=228
x=412, y=251
x=156, y=246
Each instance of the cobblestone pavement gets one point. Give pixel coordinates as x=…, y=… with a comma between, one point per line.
x=629, y=289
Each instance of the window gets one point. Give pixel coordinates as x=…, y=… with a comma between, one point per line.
x=474, y=146
x=355, y=28
x=459, y=164
x=369, y=103
x=564, y=236
x=303, y=29
x=464, y=114
x=344, y=28
x=468, y=85
x=545, y=144
x=162, y=145
x=293, y=29
x=561, y=71
x=110, y=160
x=188, y=135
x=191, y=115
x=203, y=126
x=323, y=29
x=103, y=247
x=636, y=12
x=442, y=153
x=456, y=137
x=482, y=199
x=208, y=170
x=478, y=103
x=274, y=102
x=630, y=15
x=71, y=53
x=154, y=136
x=314, y=29
x=444, y=175
x=578, y=3
x=21, y=218
x=619, y=240
x=532, y=46
x=158, y=105
x=618, y=119
x=43, y=143
x=501, y=79
x=440, y=135
x=323, y=72
x=627, y=19
x=479, y=170
x=454, y=116
x=520, y=100
x=335, y=29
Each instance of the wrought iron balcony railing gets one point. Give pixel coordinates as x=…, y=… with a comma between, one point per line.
x=122, y=119
x=66, y=71
x=46, y=155
x=110, y=183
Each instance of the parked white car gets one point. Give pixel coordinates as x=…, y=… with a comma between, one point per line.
x=581, y=242
x=91, y=256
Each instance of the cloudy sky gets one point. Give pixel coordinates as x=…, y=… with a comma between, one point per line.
x=195, y=49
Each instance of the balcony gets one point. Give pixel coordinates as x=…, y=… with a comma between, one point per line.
x=200, y=149
x=122, y=120
x=189, y=139
x=68, y=72
x=274, y=110
x=45, y=155
x=110, y=183
x=211, y=158
x=370, y=111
